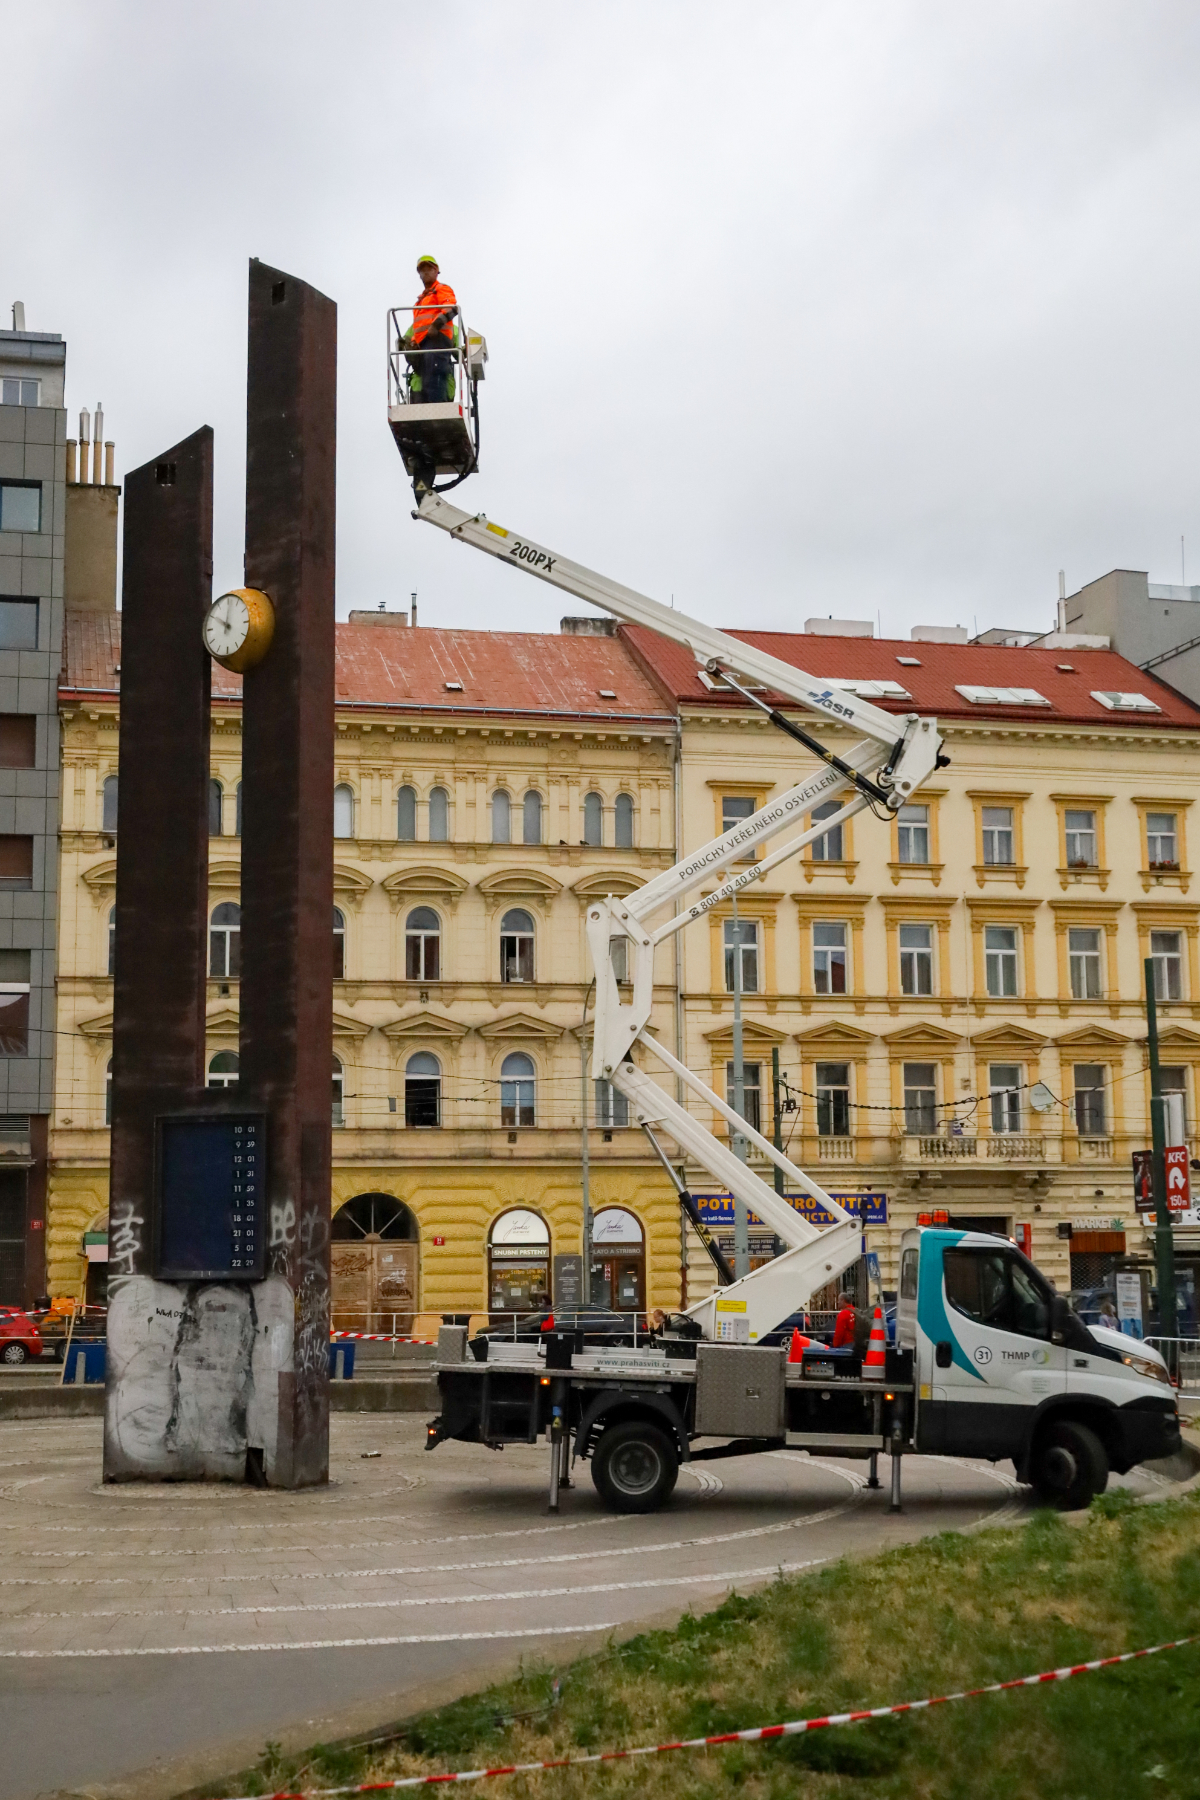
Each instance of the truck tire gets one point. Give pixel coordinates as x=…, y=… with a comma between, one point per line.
x=1070, y=1466
x=634, y=1467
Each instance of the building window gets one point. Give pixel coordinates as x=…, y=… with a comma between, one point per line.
x=623, y=819
x=20, y=506
x=920, y=1099
x=1004, y=1082
x=423, y=1091
x=223, y=1070
x=422, y=945
x=1083, y=954
x=618, y=956
x=215, y=796
x=912, y=833
x=1090, y=1110
x=108, y=1092
x=593, y=820
x=237, y=819
x=1166, y=953
x=833, y=1099
x=21, y=391
x=1000, y=953
x=519, y=1263
x=343, y=811
x=531, y=818
x=406, y=815
x=998, y=849
x=112, y=940
x=108, y=804
x=916, y=959
x=16, y=862
x=18, y=623
x=829, y=957
x=14, y=1002
x=517, y=1076
x=734, y=809
x=501, y=818
x=612, y=1107
x=741, y=955
x=828, y=847
x=225, y=942
x=18, y=741
x=1162, y=840
x=751, y=1092
x=439, y=816
x=1174, y=1085
x=339, y=944
x=516, y=945
x=1081, y=839
x=339, y=1093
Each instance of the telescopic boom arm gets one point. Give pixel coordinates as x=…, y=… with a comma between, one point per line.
x=897, y=755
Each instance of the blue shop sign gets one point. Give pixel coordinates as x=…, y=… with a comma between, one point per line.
x=870, y=1209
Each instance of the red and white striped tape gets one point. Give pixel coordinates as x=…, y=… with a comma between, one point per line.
x=756, y=1734
x=374, y=1337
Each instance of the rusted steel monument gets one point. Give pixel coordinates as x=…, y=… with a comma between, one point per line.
x=218, y=1328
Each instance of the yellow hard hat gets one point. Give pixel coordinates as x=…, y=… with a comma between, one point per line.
x=428, y=259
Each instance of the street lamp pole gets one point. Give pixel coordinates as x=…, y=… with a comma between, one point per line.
x=1164, y=1243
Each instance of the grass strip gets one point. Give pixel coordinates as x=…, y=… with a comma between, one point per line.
x=949, y=1612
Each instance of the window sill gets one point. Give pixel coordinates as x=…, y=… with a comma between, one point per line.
x=1089, y=875
x=1014, y=872
x=1178, y=878
x=916, y=871
x=845, y=870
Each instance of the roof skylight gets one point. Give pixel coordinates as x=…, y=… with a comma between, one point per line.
x=1118, y=702
x=1002, y=696
x=868, y=690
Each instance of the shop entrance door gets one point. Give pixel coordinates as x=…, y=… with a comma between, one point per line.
x=374, y=1286
x=619, y=1260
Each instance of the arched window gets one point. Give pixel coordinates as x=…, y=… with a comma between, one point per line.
x=374, y=1216
x=339, y=1092
x=531, y=823
x=237, y=826
x=343, y=811
x=517, y=1077
x=516, y=945
x=216, y=794
x=112, y=940
x=339, y=944
x=624, y=821
x=593, y=819
x=108, y=1092
x=439, y=816
x=225, y=941
x=422, y=945
x=223, y=1070
x=108, y=808
x=423, y=1090
x=519, y=1263
x=501, y=820
x=406, y=815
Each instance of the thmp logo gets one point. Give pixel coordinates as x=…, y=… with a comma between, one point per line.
x=983, y=1354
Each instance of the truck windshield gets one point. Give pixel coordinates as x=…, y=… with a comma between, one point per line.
x=993, y=1288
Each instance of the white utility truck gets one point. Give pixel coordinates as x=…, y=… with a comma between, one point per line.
x=988, y=1360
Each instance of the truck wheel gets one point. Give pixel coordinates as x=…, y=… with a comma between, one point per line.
x=14, y=1354
x=1070, y=1466
x=634, y=1467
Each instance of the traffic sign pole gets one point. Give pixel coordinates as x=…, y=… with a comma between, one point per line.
x=1164, y=1243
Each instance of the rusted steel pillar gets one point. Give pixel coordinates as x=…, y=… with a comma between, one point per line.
x=287, y=826
x=161, y=924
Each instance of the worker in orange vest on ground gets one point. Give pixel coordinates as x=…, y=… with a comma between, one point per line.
x=433, y=335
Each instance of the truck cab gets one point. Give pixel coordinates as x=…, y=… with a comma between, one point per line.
x=1004, y=1368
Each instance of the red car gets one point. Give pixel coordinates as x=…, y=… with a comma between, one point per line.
x=20, y=1339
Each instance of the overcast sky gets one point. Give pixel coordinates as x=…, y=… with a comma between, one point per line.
x=871, y=309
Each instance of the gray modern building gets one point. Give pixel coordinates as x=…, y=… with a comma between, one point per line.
x=33, y=425
x=1152, y=623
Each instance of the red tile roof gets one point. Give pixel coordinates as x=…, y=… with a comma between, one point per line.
x=943, y=668
x=519, y=673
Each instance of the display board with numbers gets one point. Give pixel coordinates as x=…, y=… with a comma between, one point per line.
x=211, y=1193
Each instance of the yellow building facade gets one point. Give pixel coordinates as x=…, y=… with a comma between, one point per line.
x=488, y=785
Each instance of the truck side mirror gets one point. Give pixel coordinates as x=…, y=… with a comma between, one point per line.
x=943, y=1354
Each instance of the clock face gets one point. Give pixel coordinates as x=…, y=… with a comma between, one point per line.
x=226, y=625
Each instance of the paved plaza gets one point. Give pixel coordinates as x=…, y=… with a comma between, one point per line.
x=151, y=1636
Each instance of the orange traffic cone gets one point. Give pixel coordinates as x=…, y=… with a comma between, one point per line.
x=798, y=1346
x=875, y=1361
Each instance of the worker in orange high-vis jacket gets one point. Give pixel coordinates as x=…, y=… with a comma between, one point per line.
x=432, y=335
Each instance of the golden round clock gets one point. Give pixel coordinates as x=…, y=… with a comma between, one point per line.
x=238, y=628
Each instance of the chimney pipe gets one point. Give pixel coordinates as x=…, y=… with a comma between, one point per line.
x=98, y=444
x=72, y=460
x=85, y=440
x=413, y=614
x=110, y=456
x=18, y=315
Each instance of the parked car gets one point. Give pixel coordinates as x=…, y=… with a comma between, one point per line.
x=90, y=1327
x=20, y=1339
